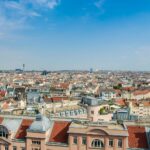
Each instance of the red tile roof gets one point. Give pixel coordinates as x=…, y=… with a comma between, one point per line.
x=63, y=85
x=21, y=133
x=146, y=103
x=59, y=132
x=2, y=93
x=128, y=88
x=1, y=120
x=120, y=102
x=137, y=137
x=141, y=92
x=55, y=99
x=5, y=105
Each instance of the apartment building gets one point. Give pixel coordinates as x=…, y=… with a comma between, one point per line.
x=44, y=134
x=41, y=133
x=140, y=108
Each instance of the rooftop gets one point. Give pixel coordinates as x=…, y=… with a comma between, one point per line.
x=137, y=137
x=21, y=133
x=41, y=124
x=109, y=125
x=59, y=132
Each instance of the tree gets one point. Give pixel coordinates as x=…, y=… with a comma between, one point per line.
x=102, y=110
x=118, y=87
x=110, y=102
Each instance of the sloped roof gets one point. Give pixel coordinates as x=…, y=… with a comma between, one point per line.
x=141, y=92
x=63, y=85
x=59, y=132
x=55, y=99
x=1, y=120
x=21, y=133
x=12, y=124
x=137, y=137
x=41, y=124
x=2, y=93
x=120, y=102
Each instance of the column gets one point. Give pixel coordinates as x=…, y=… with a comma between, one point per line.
x=88, y=142
x=43, y=146
x=2, y=147
x=28, y=144
x=124, y=143
x=106, y=142
x=70, y=142
x=79, y=142
x=115, y=143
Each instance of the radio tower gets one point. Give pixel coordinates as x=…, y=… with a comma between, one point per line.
x=23, y=67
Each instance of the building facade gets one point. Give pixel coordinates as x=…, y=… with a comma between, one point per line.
x=41, y=133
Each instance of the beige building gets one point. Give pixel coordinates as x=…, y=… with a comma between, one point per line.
x=139, y=94
x=140, y=108
x=93, y=113
x=41, y=133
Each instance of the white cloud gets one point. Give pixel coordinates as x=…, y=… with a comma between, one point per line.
x=99, y=3
x=52, y=4
x=13, y=5
x=49, y=4
x=8, y=26
x=14, y=15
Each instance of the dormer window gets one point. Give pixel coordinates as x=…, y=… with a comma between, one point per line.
x=3, y=132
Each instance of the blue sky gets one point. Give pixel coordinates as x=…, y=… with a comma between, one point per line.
x=75, y=34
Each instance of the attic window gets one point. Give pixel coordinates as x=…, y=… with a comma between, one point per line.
x=3, y=132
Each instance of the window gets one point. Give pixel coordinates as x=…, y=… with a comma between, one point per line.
x=36, y=142
x=14, y=148
x=3, y=132
x=120, y=143
x=6, y=147
x=75, y=140
x=92, y=112
x=111, y=143
x=97, y=143
x=23, y=148
x=84, y=140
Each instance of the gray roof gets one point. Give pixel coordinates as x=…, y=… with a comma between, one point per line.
x=33, y=97
x=92, y=101
x=41, y=124
x=12, y=124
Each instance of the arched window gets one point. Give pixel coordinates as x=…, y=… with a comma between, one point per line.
x=3, y=132
x=97, y=143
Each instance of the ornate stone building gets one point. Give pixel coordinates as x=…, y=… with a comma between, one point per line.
x=41, y=133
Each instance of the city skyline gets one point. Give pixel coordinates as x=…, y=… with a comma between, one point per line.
x=75, y=35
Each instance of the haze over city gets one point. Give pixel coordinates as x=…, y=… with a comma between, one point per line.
x=75, y=34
